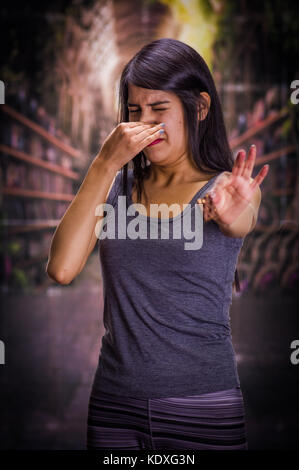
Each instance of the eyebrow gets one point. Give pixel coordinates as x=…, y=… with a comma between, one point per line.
x=150, y=104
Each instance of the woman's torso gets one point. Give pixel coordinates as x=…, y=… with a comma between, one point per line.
x=166, y=305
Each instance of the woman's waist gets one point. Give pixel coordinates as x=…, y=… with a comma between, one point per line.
x=137, y=355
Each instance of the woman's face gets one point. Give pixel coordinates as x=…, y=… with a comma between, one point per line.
x=141, y=109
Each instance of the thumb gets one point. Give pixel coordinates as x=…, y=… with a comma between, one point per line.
x=214, y=196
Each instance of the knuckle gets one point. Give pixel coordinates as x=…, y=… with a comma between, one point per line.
x=123, y=128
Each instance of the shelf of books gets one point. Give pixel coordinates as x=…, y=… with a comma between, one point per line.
x=37, y=179
x=269, y=257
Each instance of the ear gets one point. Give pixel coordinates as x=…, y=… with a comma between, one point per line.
x=202, y=108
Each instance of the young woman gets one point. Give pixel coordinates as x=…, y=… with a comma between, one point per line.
x=167, y=375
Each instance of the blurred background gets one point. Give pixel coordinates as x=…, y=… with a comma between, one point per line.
x=60, y=66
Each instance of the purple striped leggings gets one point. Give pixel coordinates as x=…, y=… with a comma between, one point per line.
x=212, y=421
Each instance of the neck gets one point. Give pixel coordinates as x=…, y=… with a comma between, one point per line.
x=180, y=171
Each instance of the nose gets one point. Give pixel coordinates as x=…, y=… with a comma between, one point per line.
x=147, y=116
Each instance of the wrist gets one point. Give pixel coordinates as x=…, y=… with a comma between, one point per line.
x=234, y=227
x=104, y=165
x=227, y=229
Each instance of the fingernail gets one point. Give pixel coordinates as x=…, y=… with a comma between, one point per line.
x=252, y=145
x=162, y=124
x=161, y=131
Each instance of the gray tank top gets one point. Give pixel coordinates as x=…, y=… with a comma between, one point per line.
x=166, y=308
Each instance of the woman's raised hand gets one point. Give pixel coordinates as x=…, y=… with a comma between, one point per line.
x=126, y=140
x=232, y=192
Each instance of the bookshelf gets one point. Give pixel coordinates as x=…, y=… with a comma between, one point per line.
x=269, y=257
x=37, y=185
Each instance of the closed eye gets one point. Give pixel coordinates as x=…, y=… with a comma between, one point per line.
x=137, y=110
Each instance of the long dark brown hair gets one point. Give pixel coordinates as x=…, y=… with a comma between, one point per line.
x=171, y=65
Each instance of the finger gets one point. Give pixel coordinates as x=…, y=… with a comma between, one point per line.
x=204, y=208
x=214, y=195
x=239, y=163
x=208, y=208
x=152, y=130
x=148, y=138
x=137, y=127
x=221, y=182
x=206, y=214
x=249, y=164
x=211, y=203
x=212, y=213
x=138, y=124
x=260, y=177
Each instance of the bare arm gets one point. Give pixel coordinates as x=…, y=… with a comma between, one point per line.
x=93, y=239
x=74, y=237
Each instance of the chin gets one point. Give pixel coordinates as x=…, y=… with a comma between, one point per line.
x=154, y=156
x=155, y=159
